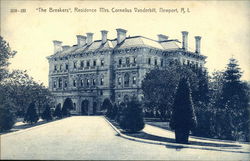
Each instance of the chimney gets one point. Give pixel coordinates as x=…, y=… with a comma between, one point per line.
x=64, y=47
x=121, y=35
x=197, y=44
x=81, y=40
x=184, y=40
x=162, y=37
x=57, y=46
x=104, y=36
x=89, y=38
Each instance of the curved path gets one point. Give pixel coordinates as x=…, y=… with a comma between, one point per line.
x=91, y=137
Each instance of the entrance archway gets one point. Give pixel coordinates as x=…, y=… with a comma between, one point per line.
x=84, y=107
x=68, y=104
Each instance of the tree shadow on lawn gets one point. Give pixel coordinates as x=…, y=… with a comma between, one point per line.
x=203, y=145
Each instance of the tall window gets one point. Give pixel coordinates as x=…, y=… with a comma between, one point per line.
x=102, y=62
x=66, y=66
x=55, y=67
x=161, y=62
x=75, y=63
x=119, y=81
x=149, y=61
x=88, y=63
x=54, y=85
x=120, y=61
x=82, y=64
x=94, y=63
x=101, y=82
x=93, y=82
x=134, y=60
x=127, y=60
x=126, y=80
x=87, y=82
x=134, y=80
x=156, y=61
x=60, y=83
x=60, y=67
x=74, y=83
x=82, y=82
x=65, y=84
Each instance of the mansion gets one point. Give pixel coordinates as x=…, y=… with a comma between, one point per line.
x=92, y=70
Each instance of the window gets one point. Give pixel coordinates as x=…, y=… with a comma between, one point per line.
x=149, y=61
x=188, y=62
x=126, y=80
x=81, y=83
x=101, y=92
x=161, y=62
x=127, y=60
x=120, y=61
x=134, y=60
x=87, y=82
x=156, y=61
x=65, y=84
x=55, y=68
x=119, y=81
x=101, y=82
x=88, y=64
x=54, y=85
x=75, y=63
x=102, y=62
x=82, y=64
x=60, y=67
x=134, y=80
x=94, y=63
x=60, y=83
x=74, y=83
x=93, y=82
x=66, y=66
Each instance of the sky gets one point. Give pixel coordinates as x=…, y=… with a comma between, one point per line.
x=223, y=26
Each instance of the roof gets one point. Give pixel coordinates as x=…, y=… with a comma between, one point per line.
x=129, y=42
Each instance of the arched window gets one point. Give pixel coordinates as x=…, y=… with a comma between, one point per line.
x=60, y=82
x=65, y=84
x=102, y=62
x=126, y=80
x=82, y=64
x=93, y=82
x=82, y=83
x=149, y=61
x=119, y=81
x=75, y=64
x=134, y=80
x=102, y=81
x=54, y=85
x=120, y=61
x=74, y=83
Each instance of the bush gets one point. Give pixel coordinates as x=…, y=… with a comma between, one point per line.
x=46, y=115
x=31, y=115
x=7, y=119
x=131, y=119
x=65, y=111
x=58, y=112
x=183, y=118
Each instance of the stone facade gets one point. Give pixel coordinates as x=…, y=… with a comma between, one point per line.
x=90, y=71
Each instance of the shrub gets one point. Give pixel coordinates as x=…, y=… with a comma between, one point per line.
x=131, y=119
x=65, y=111
x=183, y=117
x=7, y=119
x=58, y=112
x=46, y=115
x=31, y=115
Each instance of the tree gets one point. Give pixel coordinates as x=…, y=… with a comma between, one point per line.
x=183, y=117
x=132, y=117
x=159, y=86
x=46, y=115
x=107, y=105
x=5, y=54
x=7, y=120
x=58, y=112
x=234, y=101
x=67, y=106
x=31, y=115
